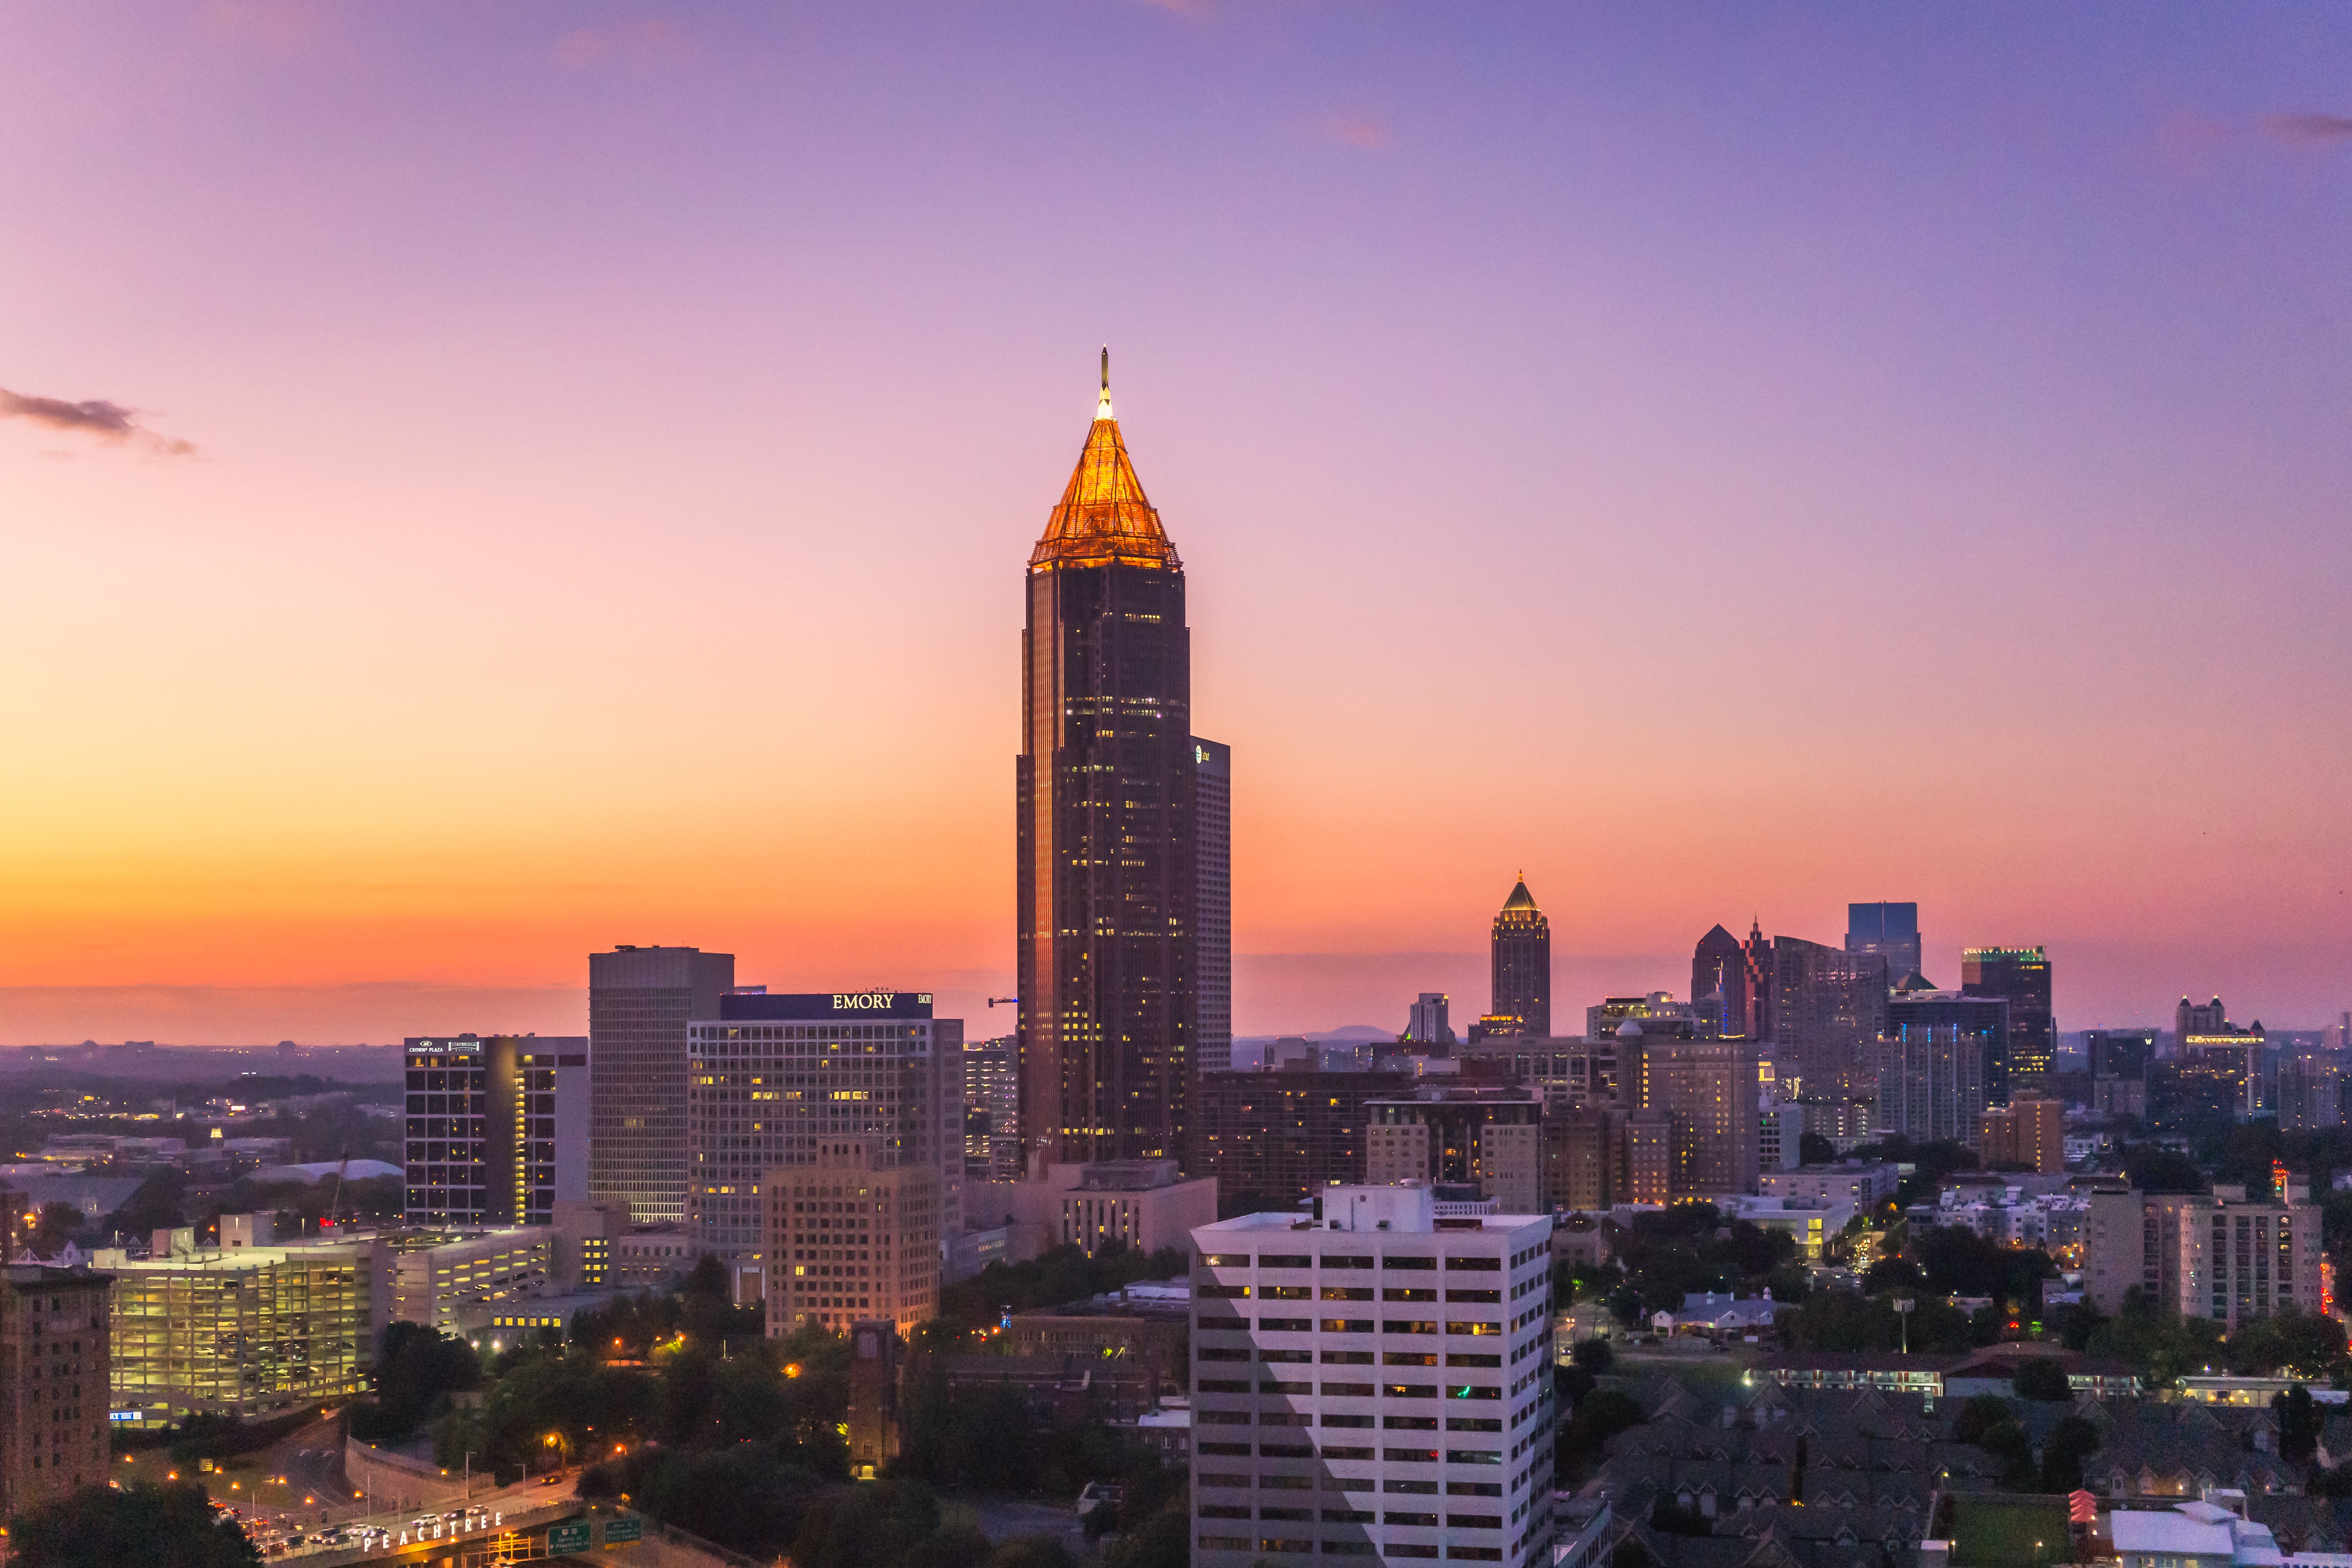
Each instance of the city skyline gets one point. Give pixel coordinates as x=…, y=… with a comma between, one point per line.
x=362, y=468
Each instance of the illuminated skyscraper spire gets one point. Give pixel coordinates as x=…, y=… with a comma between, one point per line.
x=1109, y=858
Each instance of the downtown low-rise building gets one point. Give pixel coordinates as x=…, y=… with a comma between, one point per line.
x=56, y=1329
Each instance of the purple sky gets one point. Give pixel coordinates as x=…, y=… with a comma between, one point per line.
x=1723, y=460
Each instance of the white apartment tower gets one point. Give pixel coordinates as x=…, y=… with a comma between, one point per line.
x=1371, y=1384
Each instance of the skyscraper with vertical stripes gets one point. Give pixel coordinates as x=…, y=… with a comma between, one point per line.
x=1108, y=859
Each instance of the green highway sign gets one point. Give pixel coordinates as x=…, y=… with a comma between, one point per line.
x=568, y=1538
x=628, y=1528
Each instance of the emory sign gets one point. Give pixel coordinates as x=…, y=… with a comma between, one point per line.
x=871, y=1001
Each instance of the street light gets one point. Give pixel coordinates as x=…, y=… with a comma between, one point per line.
x=1903, y=1307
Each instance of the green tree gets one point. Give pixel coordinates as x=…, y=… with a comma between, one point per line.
x=97, y=1527
x=415, y=1366
x=2044, y=1380
x=2070, y=1441
x=2298, y=1423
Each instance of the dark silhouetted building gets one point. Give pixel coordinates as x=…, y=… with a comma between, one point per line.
x=1719, y=975
x=1108, y=863
x=1890, y=930
x=640, y=1001
x=1489, y=1136
x=2119, y=1053
x=2020, y=976
x=1758, y=953
x=1828, y=1010
x=1213, y=920
x=1285, y=1135
x=1521, y=969
x=2119, y=1060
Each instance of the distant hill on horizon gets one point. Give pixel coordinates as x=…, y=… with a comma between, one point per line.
x=1345, y=1032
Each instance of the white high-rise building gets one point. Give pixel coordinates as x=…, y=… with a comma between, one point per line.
x=1371, y=1384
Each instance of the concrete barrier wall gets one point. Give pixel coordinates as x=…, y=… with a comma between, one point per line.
x=385, y=1476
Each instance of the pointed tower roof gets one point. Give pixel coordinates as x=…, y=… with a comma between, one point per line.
x=1520, y=897
x=1104, y=519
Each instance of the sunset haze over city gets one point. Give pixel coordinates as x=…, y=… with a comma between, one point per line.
x=483, y=485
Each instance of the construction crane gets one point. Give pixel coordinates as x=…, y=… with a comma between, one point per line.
x=335, y=1199
x=1009, y=1001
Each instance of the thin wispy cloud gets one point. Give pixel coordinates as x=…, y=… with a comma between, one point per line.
x=96, y=416
x=654, y=41
x=2308, y=130
x=274, y=26
x=1357, y=130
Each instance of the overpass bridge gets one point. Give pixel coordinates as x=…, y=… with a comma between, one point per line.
x=489, y=1535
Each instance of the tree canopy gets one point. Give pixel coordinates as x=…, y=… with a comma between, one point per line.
x=98, y=1527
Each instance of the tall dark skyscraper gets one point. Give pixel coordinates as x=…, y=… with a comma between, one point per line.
x=1889, y=930
x=1829, y=1007
x=1108, y=874
x=2021, y=975
x=1522, y=963
x=1213, y=920
x=1719, y=976
x=640, y=1000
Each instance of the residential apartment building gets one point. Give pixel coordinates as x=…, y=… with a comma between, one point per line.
x=1868, y=1184
x=1376, y=1384
x=1780, y=1136
x=1564, y=1072
x=55, y=1404
x=1934, y=1063
x=992, y=1111
x=2221, y=1255
x=2030, y=1131
x=852, y=1233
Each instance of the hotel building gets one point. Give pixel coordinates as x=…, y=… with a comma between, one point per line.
x=496, y=1128
x=1371, y=1384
